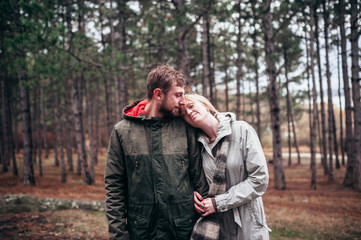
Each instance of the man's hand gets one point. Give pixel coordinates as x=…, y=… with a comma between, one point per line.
x=198, y=202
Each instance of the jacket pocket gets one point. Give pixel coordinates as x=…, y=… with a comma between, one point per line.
x=138, y=226
x=184, y=225
x=257, y=212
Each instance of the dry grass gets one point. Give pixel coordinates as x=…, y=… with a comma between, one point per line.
x=330, y=212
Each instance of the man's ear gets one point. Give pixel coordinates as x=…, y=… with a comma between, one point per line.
x=158, y=94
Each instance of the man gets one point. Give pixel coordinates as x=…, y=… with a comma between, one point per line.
x=153, y=165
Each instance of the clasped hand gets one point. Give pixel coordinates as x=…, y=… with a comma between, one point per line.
x=203, y=206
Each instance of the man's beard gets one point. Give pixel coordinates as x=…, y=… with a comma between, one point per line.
x=167, y=113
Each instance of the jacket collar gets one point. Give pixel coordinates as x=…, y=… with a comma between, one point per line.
x=224, y=128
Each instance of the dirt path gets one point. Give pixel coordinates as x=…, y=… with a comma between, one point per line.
x=329, y=212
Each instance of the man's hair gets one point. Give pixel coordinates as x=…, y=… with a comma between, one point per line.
x=203, y=100
x=163, y=77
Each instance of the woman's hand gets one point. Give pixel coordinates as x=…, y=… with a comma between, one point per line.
x=203, y=206
x=207, y=207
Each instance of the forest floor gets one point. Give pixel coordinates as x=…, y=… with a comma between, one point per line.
x=329, y=212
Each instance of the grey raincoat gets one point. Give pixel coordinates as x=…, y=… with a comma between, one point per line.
x=247, y=179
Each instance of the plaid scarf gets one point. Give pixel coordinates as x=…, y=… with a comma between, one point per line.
x=207, y=228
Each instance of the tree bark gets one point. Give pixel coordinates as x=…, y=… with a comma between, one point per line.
x=44, y=126
x=5, y=127
x=340, y=102
x=256, y=56
x=207, y=83
x=273, y=98
x=97, y=128
x=90, y=127
x=38, y=121
x=122, y=48
x=108, y=102
x=79, y=129
x=348, y=121
x=314, y=97
x=28, y=169
x=28, y=178
x=239, y=63
x=68, y=128
x=355, y=80
x=323, y=117
x=182, y=31
x=54, y=127
x=59, y=133
x=329, y=96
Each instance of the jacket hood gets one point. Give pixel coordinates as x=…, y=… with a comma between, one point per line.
x=135, y=110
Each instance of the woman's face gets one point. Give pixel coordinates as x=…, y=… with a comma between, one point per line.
x=195, y=113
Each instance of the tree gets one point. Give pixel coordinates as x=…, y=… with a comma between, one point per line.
x=329, y=95
x=323, y=117
x=314, y=97
x=239, y=61
x=349, y=130
x=355, y=80
x=273, y=91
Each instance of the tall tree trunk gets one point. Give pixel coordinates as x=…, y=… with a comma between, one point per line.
x=68, y=127
x=114, y=66
x=226, y=60
x=273, y=97
x=108, y=103
x=256, y=56
x=79, y=129
x=309, y=101
x=33, y=123
x=329, y=96
x=122, y=49
x=39, y=128
x=8, y=139
x=16, y=121
x=239, y=63
x=288, y=101
x=5, y=127
x=54, y=127
x=97, y=127
x=44, y=126
x=335, y=143
x=295, y=138
x=348, y=121
x=340, y=102
x=183, y=43
x=355, y=80
x=28, y=178
x=323, y=117
x=59, y=133
x=28, y=169
x=207, y=83
x=314, y=97
x=90, y=127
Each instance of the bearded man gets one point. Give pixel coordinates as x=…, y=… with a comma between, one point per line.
x=154, y=165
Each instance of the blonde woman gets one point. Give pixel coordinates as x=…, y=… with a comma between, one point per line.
x=236, y=171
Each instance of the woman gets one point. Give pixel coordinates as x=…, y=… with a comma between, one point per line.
x=236, y=171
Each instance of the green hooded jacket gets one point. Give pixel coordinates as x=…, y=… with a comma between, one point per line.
x=153, y=167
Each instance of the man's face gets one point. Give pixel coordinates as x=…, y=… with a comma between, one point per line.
x=172, y=101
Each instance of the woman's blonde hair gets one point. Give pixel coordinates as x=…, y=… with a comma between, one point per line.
x=206, y=103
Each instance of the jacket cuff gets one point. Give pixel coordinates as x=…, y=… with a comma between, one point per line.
x=221, y=202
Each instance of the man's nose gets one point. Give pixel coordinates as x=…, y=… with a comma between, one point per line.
x=182, y=101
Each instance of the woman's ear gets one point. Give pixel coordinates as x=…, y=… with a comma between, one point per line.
x=158, y=94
